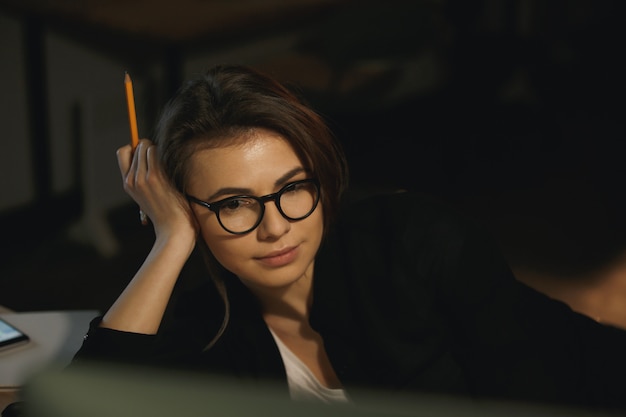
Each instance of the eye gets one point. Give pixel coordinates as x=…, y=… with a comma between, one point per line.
x=236, y=204
x=295, y=187
x=289, y=188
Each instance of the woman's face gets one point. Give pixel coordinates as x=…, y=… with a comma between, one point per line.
x=279, y=251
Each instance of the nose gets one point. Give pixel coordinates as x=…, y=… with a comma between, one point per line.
x=273, y=225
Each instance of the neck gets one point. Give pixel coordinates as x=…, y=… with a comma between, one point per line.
x=291, y=302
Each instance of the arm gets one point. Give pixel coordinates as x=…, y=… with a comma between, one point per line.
x=140, y=307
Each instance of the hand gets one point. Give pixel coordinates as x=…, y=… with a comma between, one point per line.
x=145, y=182
x=140, y=307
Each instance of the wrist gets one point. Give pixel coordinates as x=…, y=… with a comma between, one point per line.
x=177, y=242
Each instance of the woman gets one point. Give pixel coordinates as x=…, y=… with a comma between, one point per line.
x=393, y=292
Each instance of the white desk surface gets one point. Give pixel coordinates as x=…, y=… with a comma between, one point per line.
x=55, y=338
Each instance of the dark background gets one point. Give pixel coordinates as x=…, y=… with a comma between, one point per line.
x=524, y=129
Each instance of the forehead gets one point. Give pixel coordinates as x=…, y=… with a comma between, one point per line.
x=261, y=156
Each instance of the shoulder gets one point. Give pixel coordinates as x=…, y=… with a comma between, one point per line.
x=407, y=215
x=428, y=239
x=408, y=228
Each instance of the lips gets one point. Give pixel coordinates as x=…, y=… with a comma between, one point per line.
x=280, y=257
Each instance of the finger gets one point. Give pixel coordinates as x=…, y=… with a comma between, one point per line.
x=124, y=158
x=145, y=141
x=139, y=165
x=152, y=161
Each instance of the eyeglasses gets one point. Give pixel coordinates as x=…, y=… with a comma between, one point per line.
x=241, y=214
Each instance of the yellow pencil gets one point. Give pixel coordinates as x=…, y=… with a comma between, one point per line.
x=132, y=116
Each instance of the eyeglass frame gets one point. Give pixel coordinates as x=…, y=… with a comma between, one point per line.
x=217, y=205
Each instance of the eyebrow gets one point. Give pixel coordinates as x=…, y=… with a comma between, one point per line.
x=282, y=180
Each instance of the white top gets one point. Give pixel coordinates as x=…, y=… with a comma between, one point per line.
x=303, y=385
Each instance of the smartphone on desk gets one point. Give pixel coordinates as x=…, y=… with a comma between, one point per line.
x=11, y=336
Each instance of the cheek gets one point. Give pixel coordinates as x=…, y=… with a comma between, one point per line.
x=317, y=227
x=226, y=248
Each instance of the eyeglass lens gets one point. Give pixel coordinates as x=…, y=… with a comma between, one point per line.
x=242, y=214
